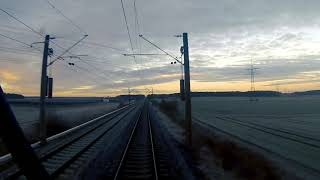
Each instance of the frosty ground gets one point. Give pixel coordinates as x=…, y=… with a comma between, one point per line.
x=59, y=117
x=288, y=127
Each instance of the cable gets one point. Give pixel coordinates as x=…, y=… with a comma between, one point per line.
x=103, y=45
x=67, y=18
x=90, y=72
x=96, y=68
x=29, y=27
x=33, y=30
x=16, y=49
x=15, y=40
x=125, y=19
x=137, y=23
x=67, y=50
x=89, y=43
x=100, y=62
x=21, y=42
x=12, y=51
x=160, y=49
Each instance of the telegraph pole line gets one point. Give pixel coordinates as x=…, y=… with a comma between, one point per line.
x=187, y=89
x=43, y=91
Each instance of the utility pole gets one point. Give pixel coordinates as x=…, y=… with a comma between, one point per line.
x=129, y=95
x=50, y=78
x=15, y=141
x=252, y=70
x=43, y=91
x=186, y=82
x=152, y=91
x=187, y=88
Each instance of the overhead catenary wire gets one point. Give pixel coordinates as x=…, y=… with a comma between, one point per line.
x=137, y=22
x=67, y=50
x=13, y=39
x=21, y=42
x=66, y=17
x=17, y=49
x=95, y=44
x=94, y=73
x=28, y=45
x=20, y=52
x=160, y=49
x=128, y=31
x=17, y=19
x=32, y=29
x=38, y=33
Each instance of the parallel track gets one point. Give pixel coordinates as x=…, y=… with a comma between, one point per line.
x=215, y=128
x=59, y=159
x=309, y=141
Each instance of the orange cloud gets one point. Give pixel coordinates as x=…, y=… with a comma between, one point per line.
x=9, y=76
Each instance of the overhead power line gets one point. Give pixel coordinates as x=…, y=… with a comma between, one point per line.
x=21, y=42
x=38, y=33
x=137, y=24
x=26, y=25
x=161, y=49
x=66, y=17
x=19, y=51
x=125, y=19
x=32, y=29
x=67, y=50
x=143, y=54
x=13, y=39
x=90, y=43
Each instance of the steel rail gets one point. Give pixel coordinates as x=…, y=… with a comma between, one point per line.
x=99, y=129
x=128, y=144
x=6, y=158
x=152, y=145
x=275, y=129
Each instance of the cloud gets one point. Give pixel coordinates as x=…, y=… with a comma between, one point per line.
x=280, y=36
x=83, y=88
x=9, y=76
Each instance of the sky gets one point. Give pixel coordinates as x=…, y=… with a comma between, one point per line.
x=280, y=37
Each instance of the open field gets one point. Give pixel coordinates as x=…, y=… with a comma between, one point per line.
x=286, y=127
x=283, y=129
x=69, y=115
x=60, y=117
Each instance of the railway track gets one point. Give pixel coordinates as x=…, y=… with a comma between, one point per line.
x=143, y=157
x=272, y=131
x=309, y=141
x=64, y=155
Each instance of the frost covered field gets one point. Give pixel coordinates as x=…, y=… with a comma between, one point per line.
x=66, y=115
x=287, y=127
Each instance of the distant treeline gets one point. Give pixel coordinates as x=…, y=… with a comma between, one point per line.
x=227, y=94
x=237, y=94
x=13, y=96
x=307, y=93
x=243, y=94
